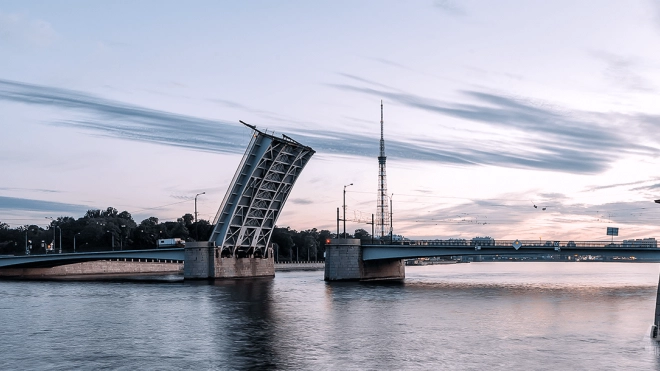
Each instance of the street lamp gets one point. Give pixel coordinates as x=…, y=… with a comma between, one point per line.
x=344, y=219
x=51, y=218
x=112, y=234
x=391, y=235
x=121, y=238
x=196, y=227
x=28, y=243
x=203, y=193
x=58, y=227
x=74, y=241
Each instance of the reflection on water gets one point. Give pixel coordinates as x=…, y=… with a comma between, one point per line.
x=463, y=316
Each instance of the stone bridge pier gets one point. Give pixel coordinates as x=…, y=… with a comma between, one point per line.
x=204, y=260
x=343, y=262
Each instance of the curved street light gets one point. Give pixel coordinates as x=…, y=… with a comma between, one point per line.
x=58, y=227
x=344, y=219
x=391, y=223
x=203, y=193
x=196, y=228
x=74, y=241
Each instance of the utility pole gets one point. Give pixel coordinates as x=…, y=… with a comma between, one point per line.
x=391, y=235
x=372, y=229
x=337, y=222
x=74, y=241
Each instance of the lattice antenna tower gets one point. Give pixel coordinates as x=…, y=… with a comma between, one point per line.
x=382, y=209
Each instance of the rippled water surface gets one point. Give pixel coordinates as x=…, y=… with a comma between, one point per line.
x=477, y=316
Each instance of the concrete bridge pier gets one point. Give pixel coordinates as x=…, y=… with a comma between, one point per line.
x=343, y=262
x=203, y=260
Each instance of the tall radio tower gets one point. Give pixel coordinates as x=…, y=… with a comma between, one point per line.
x=382, y=209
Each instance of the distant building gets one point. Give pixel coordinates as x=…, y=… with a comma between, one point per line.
x=483, y=241
x=398, y=237
x=645, y=242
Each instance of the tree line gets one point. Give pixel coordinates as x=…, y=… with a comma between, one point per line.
x=99, y=230
x=109, y=229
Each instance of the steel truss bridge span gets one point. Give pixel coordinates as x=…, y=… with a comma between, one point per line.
x=54, y=260
x=254, y=200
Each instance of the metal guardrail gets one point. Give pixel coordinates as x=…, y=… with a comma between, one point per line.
x=528, y=243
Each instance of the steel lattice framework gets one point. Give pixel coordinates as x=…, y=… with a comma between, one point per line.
x=382, y=214
x=245, y=221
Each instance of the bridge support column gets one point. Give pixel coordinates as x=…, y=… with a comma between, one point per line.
x=203, y=261
x=655, y=329
x=343, y=262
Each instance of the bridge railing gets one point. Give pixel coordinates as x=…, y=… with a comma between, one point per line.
x=529, y=243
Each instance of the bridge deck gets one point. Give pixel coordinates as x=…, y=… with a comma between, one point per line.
x=53, y=260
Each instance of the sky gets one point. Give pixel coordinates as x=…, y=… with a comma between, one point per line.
x=510, y=119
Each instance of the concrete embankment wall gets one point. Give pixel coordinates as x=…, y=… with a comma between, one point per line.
x=299, y=266
x=100, y=267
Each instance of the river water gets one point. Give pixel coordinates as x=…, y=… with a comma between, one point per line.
x=477, y=316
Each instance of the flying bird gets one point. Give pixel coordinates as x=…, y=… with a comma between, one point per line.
x=536, y=207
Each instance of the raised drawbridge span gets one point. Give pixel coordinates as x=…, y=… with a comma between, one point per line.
x=265, y=177
x=244, y=223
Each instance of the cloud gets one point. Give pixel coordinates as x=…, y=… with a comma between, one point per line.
x=17, y=29
x=537, y=136
x=29, y=189
x=26, y=204
x=121, y=120
x=616, y=185
x=449, y=6
x=621, y=72
x=301, y=201
x=651, y=187
x=529, y=136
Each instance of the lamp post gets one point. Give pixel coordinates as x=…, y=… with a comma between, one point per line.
x=27, y=248
x=74, y=241
x=391, y=235
x=344, y=219
x=197, y=229
x=121, y=238
x=58, y=227
x=54, y=236
x=112, y=234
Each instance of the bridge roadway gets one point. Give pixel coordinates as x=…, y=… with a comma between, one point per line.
x=53, y=260
x=431, y=248
x=411, y=250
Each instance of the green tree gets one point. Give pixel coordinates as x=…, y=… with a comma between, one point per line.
x=362, y=235
x=283, y=237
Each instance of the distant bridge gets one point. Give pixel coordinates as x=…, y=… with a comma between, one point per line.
x=432, y=248
x=54, y=260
